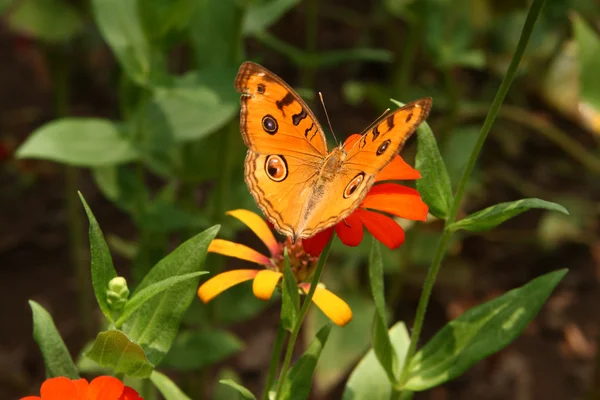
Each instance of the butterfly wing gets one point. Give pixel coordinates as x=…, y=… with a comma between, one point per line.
x=359, y=166
x=286, y=145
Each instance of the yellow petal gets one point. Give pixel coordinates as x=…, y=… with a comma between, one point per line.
x=218, y=284
x=237, y=250
x=335, y=308
x=264, y=283
x=258, y=226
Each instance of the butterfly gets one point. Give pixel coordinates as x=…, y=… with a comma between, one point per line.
x=301, y=186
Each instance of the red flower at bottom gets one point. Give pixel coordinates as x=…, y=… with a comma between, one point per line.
x=390, y=198
x=101, y=388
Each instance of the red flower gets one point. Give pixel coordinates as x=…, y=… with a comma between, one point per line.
x=390, y=198
x=101, y=388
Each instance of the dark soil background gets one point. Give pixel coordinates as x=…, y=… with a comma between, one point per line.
x=554, y=359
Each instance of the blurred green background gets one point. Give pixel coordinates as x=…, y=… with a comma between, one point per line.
x=132, y=102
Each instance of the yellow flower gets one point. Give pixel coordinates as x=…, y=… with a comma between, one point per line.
x=266, y=280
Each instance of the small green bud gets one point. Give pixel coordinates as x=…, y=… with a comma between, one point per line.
x=117, y=293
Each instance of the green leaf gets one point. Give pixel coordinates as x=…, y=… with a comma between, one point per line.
x=103, y=269
x=57, y=360
x=167, y=387
x=82, y=142
x=215, y=33
x=122, y=186
x=120, y=25
x=197, y=105
x=144, y=295
x=381, y=341
x=479, y=332
x=193, y=350
x=46, y=20
x=434, y=186
x=161, y=17
x=290, y=299
x=298, y=381
x=493, y=216
x=344, y=346
x=588, y=46
x=369, y=381
x=113, y=349
x=260, y=15
x=246, y=394
x=155, y=324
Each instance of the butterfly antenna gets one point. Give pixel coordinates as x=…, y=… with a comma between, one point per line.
x=377, y=121
x=327, y=116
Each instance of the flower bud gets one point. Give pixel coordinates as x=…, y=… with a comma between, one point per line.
x=117, y=293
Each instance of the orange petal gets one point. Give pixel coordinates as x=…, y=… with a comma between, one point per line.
x=383, y=228
x=105, y=388
x=130, y=394
x=31, y=398
x=59, y=388
x=350, y=140
x=265, y=282
x=82, y=387
x=218, y=284
x=397, y=169
x=258, y=226
x=335, y=308
x=237, y=250
x=398, y=200
x=314, y=245
x=350, y=230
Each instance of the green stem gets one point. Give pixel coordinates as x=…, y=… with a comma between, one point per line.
x=312, y=17
x=408, y=53
x=303, y=311
x=76, y=228
x=440, y=251
x=275, y=357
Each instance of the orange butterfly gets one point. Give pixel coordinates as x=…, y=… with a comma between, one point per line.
x=300, y=186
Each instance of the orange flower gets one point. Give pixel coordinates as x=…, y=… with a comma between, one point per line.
x=265, y=280
x=389, y=198
x=101, y=388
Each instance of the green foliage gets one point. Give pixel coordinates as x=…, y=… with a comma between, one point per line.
x=434, y=186
x=167, y=387
x=81, y=142
x=51, y=21
x=298, y=381
x=495, y=215
x=246, y=394
x=57, y=359
x=588, y=43
x=290, y=299
x=382, y=344
x=103, y=270
x=193, y=350
x=154, y=325
x=115, y=350
x=369, y=381
x=479, y=332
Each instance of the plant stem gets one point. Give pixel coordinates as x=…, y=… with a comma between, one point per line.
x=76, y=229
x=407, y=58
x=275, y=357
x=440, y=251
x=312, y=16
x=303, y=311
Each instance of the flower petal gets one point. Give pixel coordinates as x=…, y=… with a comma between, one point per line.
x=398, y=200
x=350, y=230
x=351, y=140
x=59, y=388
x=218, y=284
x=130, y=394
x=382, y=227
x=82, y=387
x=335, y=308
x=314, y=245
x=237, y=250
x=397, y=169
x=264, y=283
x=258, y=225
x=31, y=398
x=105, y=388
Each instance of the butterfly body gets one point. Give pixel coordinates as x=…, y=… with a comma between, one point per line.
x=301, y=186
